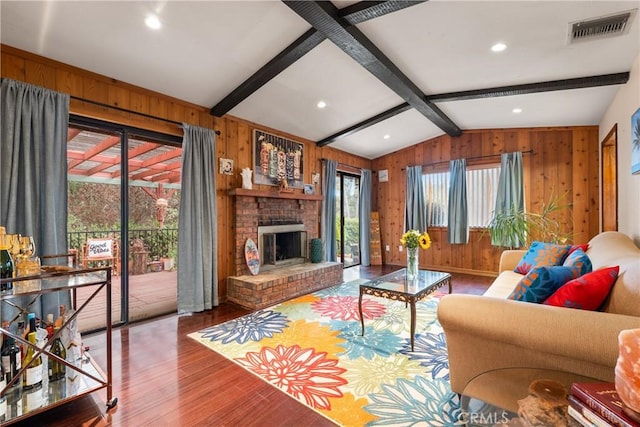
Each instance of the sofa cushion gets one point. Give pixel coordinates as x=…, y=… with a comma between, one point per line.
x=586, y=292
x=578, y=260
x=542, y=254
x=541, y=282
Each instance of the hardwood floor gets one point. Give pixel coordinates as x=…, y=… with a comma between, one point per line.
x=163, y=378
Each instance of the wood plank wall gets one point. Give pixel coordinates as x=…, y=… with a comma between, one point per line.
x=234, y=142
x=565, y=159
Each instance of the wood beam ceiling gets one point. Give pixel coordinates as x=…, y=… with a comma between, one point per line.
x=524, y=89
x=354, y=14
x=339, y=24
x=325, y=18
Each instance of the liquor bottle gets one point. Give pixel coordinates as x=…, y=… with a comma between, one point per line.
x=32, y=376
x=57, y=369
x=11, y=360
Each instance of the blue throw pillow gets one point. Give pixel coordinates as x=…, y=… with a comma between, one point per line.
x=580, y=261
x=540, y=283
x=541, y=254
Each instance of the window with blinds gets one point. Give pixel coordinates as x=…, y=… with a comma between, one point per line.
x=482, y=186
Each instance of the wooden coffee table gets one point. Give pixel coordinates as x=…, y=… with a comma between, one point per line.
x=395, y=286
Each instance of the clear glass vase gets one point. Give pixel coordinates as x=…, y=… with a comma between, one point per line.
x=412, y=263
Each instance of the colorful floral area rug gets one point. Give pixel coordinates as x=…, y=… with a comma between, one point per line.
x=311, y=347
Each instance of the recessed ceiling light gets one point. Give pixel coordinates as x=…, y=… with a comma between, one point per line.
x=321, y=104
x=387, y=136
x=517, y=110
x=498, y=47
x=153, y=22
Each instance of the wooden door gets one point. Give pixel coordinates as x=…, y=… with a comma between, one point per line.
x=610, y=181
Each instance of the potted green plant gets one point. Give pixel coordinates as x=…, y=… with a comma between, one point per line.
x=517, y=228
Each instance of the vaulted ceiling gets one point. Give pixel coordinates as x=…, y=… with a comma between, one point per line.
x=407, y=71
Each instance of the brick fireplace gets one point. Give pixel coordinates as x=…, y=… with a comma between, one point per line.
x=278, y=281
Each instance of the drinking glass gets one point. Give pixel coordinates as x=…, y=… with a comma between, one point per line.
x=27, y=246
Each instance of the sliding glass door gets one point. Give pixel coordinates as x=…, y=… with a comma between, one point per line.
x=347, y=217
x=124, y=187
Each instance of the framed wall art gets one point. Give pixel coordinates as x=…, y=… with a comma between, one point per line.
x=226, y=166
x=276, y=159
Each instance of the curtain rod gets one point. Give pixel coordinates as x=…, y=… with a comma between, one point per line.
x=343, y=164
x=469, y=158
x=100, y=104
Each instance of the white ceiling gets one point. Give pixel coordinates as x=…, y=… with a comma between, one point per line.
x=206, y=49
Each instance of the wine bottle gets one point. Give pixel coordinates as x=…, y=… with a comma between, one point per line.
x=6, y=268
x=31, y=325
x=32, y=376
x=32, y=398
x=11, y=360
x=57, y=369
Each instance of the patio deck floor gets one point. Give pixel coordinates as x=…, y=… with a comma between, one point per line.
x=150, y=295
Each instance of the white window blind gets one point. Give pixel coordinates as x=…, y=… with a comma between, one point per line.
x=482, y=185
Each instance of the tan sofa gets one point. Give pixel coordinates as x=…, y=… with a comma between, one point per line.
x=489, y=332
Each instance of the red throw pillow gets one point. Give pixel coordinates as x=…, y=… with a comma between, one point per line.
x=576, y=247
x=587, y=292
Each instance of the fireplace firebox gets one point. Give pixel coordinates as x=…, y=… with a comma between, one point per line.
x=282, y=245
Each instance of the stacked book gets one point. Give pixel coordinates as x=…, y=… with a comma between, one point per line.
x=597, y=405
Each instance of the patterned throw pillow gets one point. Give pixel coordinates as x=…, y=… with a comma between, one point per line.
x=587, y=292
x=541, y=282
x=578, y=260
x=584, y=248
x=541, y=254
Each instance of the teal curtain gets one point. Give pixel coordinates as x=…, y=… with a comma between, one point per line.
x=197, y=226
x=364, y=211
x=33, y=174
x=415, y=209
x=510, y=196
x=329, y=210
x=458, y=229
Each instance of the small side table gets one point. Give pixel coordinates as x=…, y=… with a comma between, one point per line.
x=492, y=398
x=395, y=286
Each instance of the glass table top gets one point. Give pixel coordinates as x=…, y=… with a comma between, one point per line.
x=397, y=281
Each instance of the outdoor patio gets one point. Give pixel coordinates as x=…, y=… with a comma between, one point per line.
x=151, y=294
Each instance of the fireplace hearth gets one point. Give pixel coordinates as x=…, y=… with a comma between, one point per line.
x=281, y=224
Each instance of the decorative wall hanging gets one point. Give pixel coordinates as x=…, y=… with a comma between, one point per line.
x=635, y=142
x=276, y=159
x=315, y=178
x=226, y=166
x=383, y=175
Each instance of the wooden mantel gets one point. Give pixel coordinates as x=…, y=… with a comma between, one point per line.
x=273, y=194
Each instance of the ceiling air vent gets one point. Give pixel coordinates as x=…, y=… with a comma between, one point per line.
x=599, y=28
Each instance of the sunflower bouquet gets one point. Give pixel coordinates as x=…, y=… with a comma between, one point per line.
x=413, y=238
